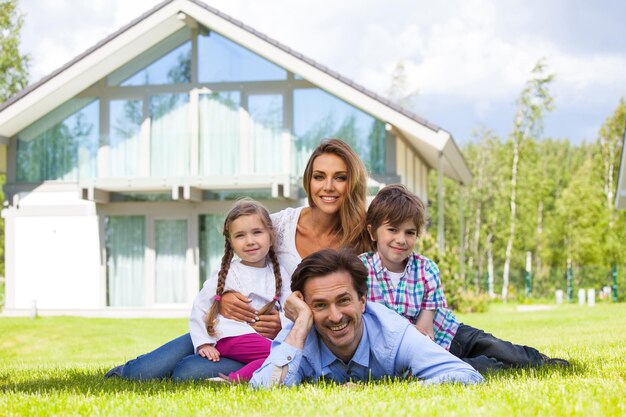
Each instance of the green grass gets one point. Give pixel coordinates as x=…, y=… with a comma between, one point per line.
x=55, y=366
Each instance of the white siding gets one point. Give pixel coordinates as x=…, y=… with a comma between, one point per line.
x=57, y=262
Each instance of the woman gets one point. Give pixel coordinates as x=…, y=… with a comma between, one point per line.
x=335, y=182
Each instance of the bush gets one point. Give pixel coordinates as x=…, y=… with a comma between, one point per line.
x=468, y=301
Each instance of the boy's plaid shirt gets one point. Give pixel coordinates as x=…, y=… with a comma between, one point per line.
x=419, y=289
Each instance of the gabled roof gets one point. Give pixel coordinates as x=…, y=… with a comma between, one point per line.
x=162, y=21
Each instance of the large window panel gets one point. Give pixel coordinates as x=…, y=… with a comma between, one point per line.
x=221, y=60
x=319, y=115
x=171, y=264
x=219, y=130
x=62, y=145
x=265, y=133
x=172, y=68
x=125, y=248
x=169, y=135
x=211, y=245
x=125, y=117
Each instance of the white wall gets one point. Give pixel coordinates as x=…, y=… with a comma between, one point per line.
x=55, y=259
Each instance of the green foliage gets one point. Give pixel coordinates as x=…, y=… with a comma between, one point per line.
x=62, y=373
x=13, y=77
x=13, y=65
x=564, y=197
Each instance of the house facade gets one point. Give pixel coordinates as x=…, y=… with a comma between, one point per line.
x=121, y=164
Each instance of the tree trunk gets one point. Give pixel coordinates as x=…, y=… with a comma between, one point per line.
x=539, y=238
x=509, y=244
x=490, y=290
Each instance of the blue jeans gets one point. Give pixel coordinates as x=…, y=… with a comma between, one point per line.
x=486, y=352
x=177, y=360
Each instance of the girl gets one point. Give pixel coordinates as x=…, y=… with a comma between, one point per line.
x=248, y=234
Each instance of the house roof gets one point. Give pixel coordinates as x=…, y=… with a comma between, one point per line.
x=97, y=62
x=620, y=195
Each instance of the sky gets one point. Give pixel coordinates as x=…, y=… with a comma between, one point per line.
x=466, y=60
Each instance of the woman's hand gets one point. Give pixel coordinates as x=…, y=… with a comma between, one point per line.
x=268, y=325
x=236, y=306
x=209, y=352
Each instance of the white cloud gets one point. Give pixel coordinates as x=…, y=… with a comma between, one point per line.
x=476, y=52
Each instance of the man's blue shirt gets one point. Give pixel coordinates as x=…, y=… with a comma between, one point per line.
x=390, y=347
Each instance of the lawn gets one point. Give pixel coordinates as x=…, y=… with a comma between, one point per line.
x=55, y=366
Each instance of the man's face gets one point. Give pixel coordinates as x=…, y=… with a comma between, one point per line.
x=337, y=311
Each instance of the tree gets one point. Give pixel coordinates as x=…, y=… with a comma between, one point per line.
x=534, y=101
x=398, y=91
x=13, y=65
x=13, y=73
x=610, y=142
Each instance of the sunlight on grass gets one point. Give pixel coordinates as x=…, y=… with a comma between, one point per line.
x=54, y=366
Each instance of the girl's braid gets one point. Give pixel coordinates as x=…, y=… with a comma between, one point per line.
x=279, y=283
x=211, y=318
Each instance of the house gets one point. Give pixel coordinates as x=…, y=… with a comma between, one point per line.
x=122, y=163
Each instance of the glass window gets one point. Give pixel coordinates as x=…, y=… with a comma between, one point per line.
x=124, y=236
x=220, y=126
x=265, y=132
x=211, y=244
x=170, y=237
x=125, y=117
x=169, y=135
x=221, y=60
x=172, y=68
x=319, y=115
x=62, y=145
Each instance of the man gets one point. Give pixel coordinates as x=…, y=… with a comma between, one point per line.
x=336, y=335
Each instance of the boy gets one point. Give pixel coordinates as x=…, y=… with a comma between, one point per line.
x=409, y=284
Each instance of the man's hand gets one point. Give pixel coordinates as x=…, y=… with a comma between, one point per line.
x=300, y=313
x=294, y=305
x=268, y=325
x=236, y=306
x=209, y=352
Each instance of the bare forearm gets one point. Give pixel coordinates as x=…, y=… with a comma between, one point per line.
x=299, y=331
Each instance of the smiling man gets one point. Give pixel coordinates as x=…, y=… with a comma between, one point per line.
x=337, y=335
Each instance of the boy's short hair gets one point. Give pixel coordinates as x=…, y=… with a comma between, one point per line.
x=394, y=204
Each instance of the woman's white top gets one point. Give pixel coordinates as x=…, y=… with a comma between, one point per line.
x=258, y=284
x=285, y=223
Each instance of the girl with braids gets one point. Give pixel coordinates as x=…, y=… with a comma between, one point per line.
x=248, y=234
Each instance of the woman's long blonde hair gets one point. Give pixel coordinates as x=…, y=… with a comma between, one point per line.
x=243, y=207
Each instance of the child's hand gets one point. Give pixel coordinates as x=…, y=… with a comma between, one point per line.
x=209, y=352
x=426, y=331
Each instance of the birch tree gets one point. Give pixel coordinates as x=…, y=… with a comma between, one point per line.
x=534, y=101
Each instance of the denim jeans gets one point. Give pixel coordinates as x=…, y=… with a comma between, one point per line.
x=177, y=360
x=486, y=352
